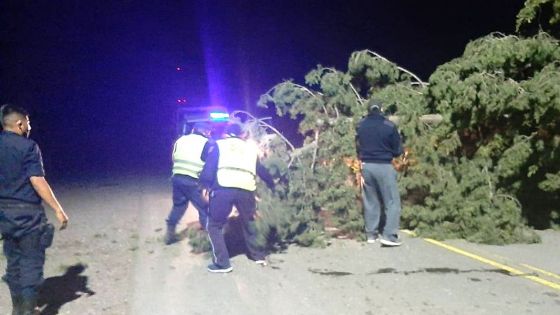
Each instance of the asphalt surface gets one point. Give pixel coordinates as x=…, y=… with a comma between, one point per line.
x=116, y=233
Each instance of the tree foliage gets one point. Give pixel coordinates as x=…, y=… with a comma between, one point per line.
x=502, y=104
x=475, y=173
x=321, y=176
x=487, y=173
x=539, y=15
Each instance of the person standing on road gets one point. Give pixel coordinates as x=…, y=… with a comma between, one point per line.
x=23, y=222
x=377, y=143
x=188, y=159
x=230, y=172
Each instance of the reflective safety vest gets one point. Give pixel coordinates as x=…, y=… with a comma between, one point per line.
x=186, y=155
x=237, y=164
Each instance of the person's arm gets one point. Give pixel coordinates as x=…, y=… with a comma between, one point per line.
x=396, y=143
x=33, y=165
x=205, y=150
x=357, y=139
x=208, y=173
x=44, y=191
x=263, y=173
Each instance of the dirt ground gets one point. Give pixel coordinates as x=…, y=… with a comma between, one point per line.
x=111, y=260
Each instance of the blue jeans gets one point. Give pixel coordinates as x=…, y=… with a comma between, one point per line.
x=380, y=189
x=185, y=189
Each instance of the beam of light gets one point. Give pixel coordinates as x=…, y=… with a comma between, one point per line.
x=211, y=51
x=225, y=60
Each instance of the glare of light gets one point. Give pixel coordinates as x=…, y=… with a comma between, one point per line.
x=219, y=116
x=255, y=144
x=179, y=69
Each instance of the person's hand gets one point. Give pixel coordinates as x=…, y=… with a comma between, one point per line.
x=402, y=162
x=62, y=218
x=205, y=193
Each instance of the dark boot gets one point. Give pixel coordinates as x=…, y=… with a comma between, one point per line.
x=17, y=301
x=170, y=235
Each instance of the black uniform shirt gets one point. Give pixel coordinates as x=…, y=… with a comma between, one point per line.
x=20, y=158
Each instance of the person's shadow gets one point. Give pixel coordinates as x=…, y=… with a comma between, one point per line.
x=233, y=235
x=59, y=290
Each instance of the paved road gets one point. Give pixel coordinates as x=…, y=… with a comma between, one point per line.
x=116, y=231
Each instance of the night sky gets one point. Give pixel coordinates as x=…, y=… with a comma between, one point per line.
x=101, y=83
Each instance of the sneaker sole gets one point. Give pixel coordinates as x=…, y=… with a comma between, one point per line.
x=390, y=243
x=220, y=270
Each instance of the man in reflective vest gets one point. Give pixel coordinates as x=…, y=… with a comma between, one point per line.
x=188, y=159
x=230, y=172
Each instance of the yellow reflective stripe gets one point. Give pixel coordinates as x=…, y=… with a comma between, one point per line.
x=236, y=179
x=236, y=169
x=179, y=167
x=184, y=171
x=199, y=165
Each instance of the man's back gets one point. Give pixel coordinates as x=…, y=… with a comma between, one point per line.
x=378, y=139
x=20, y=158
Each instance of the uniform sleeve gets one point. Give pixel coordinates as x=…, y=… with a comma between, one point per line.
x=263, y=173
x=205, y=150
x=33, y=162
x=208, y=173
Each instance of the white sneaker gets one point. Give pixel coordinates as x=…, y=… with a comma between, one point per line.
x=214, y=268
x=372, y=239
x=390, y=243
x=261, y=262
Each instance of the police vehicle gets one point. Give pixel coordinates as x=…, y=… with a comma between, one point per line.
x=216, y=116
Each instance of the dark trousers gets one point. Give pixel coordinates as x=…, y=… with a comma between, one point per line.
x=22, y=228
x=221, y=203
x=185, y=189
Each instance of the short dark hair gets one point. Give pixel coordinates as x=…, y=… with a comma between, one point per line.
x=8, y=110
x=374, y=105
x=201, y=127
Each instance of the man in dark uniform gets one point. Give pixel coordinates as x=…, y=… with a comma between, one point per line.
x=188, y=159
x=378, y=142
x=230, y=172
x=23, y=223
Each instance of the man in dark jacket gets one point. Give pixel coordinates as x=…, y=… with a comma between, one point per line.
x=378, y=142
x=23, y=223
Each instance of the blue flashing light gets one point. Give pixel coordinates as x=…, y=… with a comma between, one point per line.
x=219, y=116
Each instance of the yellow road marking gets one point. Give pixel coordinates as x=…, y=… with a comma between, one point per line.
x=496, y=264
x=544, y=272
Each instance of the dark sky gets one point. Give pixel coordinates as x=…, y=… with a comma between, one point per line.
x=100, y=81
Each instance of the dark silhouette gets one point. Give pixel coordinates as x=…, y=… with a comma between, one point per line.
x=57, y=291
